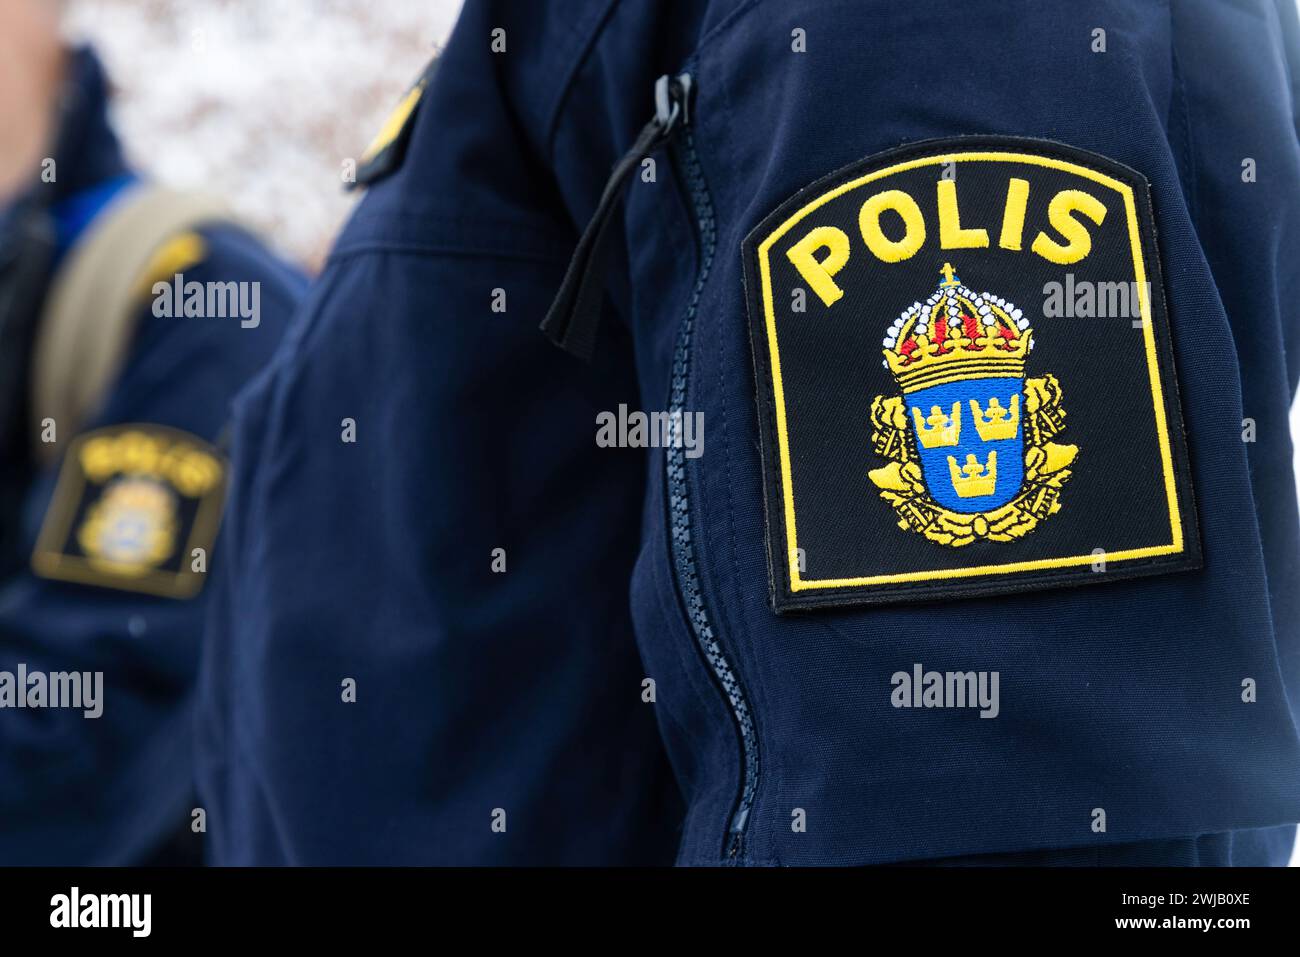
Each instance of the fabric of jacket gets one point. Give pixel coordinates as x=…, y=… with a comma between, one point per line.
x=117, y=789
x=500, y=716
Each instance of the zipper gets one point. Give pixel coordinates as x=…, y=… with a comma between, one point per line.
x=572, y=323
x=573, y=320
x=683, y=547
x=679, y=504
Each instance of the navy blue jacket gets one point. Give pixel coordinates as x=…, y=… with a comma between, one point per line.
x=119, y=788
x=521, y=691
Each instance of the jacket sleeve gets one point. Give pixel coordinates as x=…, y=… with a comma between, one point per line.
x=112, y=788
x=421, y=652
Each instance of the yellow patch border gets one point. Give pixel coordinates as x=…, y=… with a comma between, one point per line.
x=49, y=561
x=1176, y=546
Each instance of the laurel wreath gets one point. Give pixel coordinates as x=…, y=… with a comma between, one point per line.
x=1046, y=469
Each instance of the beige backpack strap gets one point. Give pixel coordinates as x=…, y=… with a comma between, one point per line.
x=86, y=328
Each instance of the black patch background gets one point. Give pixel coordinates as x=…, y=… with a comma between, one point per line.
x=831, y=365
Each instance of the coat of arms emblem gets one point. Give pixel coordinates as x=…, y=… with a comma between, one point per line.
x=969, y=439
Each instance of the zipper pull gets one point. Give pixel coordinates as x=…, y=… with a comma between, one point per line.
x=574, y=317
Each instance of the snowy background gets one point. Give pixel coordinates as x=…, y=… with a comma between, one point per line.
x=262, y=101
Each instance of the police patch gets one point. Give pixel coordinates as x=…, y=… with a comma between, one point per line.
x=965, y=378
x=132, y=504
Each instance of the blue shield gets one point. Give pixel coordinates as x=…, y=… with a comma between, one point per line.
x=972, y=456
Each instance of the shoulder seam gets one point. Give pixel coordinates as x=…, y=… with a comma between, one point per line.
x=597, y=24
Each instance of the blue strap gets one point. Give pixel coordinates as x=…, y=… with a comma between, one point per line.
x=74, y=214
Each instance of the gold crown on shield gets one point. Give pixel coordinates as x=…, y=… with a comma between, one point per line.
x=956, y=334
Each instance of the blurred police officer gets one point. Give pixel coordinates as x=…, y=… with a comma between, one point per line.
x=112, y=395
x=967, y=568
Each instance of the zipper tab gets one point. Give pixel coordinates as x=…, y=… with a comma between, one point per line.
x=673, y=100
x=573, y=320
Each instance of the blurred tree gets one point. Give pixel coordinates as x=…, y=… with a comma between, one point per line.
x=261, y=102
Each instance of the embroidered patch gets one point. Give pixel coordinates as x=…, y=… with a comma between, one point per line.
x=965, y=378
x=387, y=149
x=132, y=504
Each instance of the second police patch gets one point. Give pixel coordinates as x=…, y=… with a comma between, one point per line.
x=133, y=505
x=965, y=378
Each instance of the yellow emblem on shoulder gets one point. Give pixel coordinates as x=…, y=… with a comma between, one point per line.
x=395, y=123
x=176, y=255
x=387, y=149
x=136, y=508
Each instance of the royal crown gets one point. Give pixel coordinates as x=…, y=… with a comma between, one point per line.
x=973, y=479
x=959, y=334
x=996, y=422
x=938, y=430
x=140, y=494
